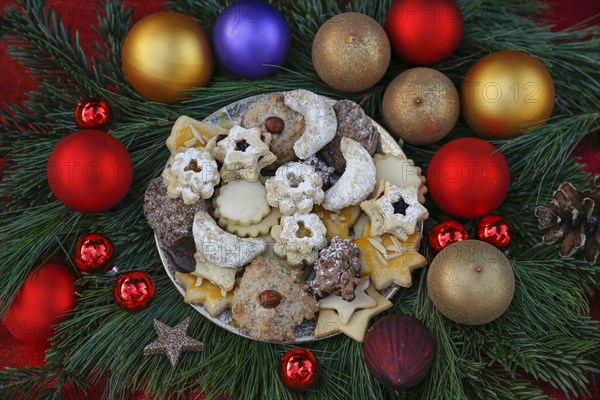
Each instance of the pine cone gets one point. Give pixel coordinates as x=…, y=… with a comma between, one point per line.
x=574, y=218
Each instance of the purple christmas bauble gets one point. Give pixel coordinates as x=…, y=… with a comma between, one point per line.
x=249, y=34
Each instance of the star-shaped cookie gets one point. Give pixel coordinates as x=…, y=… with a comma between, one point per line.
x=329, y=321
x=394, y=210
x=387, y=260
x=208, y=294
x=172, y=341
x=338, y=223
x=344, y=308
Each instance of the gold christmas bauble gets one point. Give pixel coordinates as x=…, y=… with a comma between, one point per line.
x=165, y=53
x=506, y=93
x=351, y=52
x=471, y=282
x=421, y=106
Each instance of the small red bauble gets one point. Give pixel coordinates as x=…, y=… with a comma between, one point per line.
x=93, y=253
x=446, y=233
x=299, y=369
x=89, y=171
x=44, y=300
x=468, y=178
x=399, y=351
x=134, y=290
x=495, y=230
x=424, y=32
x=92, y=114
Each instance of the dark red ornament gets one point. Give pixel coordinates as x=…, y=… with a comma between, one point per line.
x=45, y=299
x=495, y=230
x=89, y=171
x=468, y=178
x=134, y=290
x=399, y=351
x=299, y=369
x=93, y=253
x=446, y=233
x=92, y=114
x=424, y=32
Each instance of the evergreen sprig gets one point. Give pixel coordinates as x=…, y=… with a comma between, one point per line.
x=546, y=333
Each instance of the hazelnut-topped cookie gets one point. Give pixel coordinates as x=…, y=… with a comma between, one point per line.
x=271, y=301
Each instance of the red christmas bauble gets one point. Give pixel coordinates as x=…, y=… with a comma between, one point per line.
x=468, y=178
x=446, y=233
x=93, y=253
x=399, y=351
x=495, y=230
x=89, y=171
x=92, y=114
x=134, y=290
x=44, y=300
x=299, y=369
x=424, y=32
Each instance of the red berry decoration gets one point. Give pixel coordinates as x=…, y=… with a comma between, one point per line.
x=495, y=230
x=468, y=178
x=45, y=299
x=89, y=171
x=134, y=290
x=299, y=369
x=399, y=351
x=93, y=253
x=424, y=32
x=92, y=114
x=446, y=233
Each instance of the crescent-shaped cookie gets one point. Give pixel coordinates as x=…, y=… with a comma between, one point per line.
x=319, y=118
x=357, y=181
x=215, y=245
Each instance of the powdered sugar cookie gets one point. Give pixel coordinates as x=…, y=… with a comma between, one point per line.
x=357, y=181
x=215, y=245
x=319, y=118
x=191, y=175
x=243, y=154
x=295, y=188
x=299, y=238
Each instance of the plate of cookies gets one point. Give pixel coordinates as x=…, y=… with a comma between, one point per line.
x=287, y=217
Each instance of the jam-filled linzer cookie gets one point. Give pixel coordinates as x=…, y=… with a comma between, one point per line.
x=268, y=214
x=243, y=154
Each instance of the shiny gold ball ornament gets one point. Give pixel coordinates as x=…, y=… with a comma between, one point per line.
x=421, y=106
x=471, y=282
x=506, y=93
x=165, y=53
x=351, y=52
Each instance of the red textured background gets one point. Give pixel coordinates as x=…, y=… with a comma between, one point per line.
x=15, y=83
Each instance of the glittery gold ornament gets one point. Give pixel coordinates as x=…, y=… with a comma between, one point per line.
x=351, y=52
x=471, y=282
x=421, y=106
x=506, y=93
x=165, y=53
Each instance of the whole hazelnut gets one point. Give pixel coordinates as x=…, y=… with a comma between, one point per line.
x=274, y=125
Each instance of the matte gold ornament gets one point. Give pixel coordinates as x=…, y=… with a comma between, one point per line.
x=471, y=282
x=165, y=53
x=351, y=52
x=421, y=106
x=506, y=93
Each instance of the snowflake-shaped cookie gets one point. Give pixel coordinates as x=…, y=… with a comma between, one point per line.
x=394, y=210
x=191, y=175
x=299, y=238
x=295, y=188
x=243, y=154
